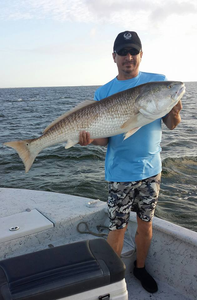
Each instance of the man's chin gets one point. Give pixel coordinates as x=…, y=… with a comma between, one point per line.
x=128, y=70
x=129, y=67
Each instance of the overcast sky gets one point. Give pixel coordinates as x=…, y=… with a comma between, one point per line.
x=69, y=42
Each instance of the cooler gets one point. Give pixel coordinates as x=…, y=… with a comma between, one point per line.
x=86, y=270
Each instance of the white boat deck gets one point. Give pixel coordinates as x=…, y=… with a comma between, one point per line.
x=172, y=258
x=136, y=292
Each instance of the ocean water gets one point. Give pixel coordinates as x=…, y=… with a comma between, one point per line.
x=25, y=112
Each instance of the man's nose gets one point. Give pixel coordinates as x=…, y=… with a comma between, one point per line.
x=129, y=56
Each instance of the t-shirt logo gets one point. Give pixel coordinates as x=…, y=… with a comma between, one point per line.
x=127, y=36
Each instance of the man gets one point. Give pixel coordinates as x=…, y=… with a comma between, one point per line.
x=133, y=166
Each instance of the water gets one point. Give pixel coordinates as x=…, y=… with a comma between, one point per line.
x=25, y=112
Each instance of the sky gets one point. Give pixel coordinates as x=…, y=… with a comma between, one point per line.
x=70, y=42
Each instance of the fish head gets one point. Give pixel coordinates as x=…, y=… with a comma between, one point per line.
x=156, y=99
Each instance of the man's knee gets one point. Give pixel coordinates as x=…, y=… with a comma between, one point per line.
x=144, y=227
x=116, y=239
x=118, y=233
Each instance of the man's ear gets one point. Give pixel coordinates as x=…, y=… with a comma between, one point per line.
x=114, y=56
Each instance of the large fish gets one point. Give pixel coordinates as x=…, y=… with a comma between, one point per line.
x=124, y=112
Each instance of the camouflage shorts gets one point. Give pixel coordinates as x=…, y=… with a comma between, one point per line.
x=138, y=196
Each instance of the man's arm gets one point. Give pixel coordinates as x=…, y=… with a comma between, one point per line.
x=173, y=118
x=84, y=140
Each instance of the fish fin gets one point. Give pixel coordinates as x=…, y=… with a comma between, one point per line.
x=70, y=143
x=130, y=132
x=133, y=122
x=25, y=151
x=79, y=106
x=136, y=121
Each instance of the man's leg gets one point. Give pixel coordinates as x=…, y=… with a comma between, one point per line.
x=147, y=199
x=119, y=204
x=116, y=239
x=143, y=240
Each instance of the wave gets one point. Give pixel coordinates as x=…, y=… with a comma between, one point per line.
x=186, y=165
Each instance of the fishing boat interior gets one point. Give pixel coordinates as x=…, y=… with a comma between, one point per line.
x=53, y=246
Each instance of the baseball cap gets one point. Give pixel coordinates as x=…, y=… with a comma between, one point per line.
x=127, y=39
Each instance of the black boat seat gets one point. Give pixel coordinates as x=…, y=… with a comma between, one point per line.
x=61, y=271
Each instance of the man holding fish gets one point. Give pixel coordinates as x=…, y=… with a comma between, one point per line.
x=133, y=165
x=127, y=117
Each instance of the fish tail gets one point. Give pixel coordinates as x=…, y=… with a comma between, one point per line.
x=25, y=150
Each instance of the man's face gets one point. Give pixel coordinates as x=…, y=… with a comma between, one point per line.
x=128, y=61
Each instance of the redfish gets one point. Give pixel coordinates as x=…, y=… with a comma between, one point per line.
x=124, y=112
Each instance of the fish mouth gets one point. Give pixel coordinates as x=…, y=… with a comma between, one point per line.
x=181, y=91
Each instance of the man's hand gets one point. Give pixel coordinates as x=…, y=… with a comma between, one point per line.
x=173, y=118
x=177, y=108
x=84, y=138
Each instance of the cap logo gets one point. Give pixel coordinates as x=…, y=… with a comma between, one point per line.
x=127, y=36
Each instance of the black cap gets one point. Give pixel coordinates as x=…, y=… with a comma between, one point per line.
x=127, y=39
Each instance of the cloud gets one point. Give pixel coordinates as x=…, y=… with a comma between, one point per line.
x=140, y=13
x=173, y=8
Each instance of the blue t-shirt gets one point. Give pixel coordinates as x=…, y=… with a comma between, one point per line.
x=137, y=157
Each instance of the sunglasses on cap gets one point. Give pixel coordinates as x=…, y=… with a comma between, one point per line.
x=124, y=51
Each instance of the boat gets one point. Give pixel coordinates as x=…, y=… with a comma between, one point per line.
x=34, y=221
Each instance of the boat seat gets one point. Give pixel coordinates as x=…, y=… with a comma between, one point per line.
x=62, y=271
